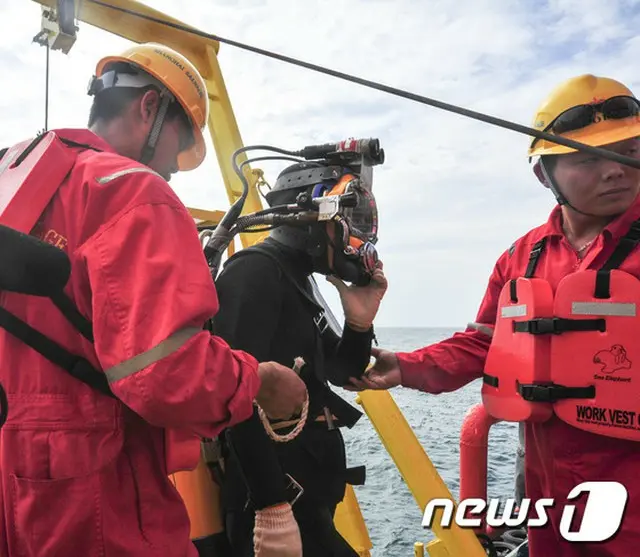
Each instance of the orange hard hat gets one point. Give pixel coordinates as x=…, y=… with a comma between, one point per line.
x=175, y=72
x=590, y=109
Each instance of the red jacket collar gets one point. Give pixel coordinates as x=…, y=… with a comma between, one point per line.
x=614, y=230
x=84, y=136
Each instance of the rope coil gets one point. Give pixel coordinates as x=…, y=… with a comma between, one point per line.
x=298, y=364
x=293, y=433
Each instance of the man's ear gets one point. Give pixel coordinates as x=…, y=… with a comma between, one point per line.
x=148, y=105
x=537, y=170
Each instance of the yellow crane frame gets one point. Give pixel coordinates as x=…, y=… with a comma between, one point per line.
x=395, y=433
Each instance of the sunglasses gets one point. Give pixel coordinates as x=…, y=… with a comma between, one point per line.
x=581, y=116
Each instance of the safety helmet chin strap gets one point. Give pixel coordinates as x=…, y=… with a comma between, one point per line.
x=149, y=148
x=133, y=79
x=553, y=186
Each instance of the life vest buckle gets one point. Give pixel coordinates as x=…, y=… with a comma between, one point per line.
x=558, y=325
x=552, y=392
x=539, y=326
x=541, y=393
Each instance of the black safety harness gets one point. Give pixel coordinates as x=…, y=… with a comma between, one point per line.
x=557, y=325
x=349, y=415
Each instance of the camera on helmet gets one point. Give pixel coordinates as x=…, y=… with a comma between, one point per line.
x=322, y=204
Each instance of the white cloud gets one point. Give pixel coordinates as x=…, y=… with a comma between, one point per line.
x=454, y=192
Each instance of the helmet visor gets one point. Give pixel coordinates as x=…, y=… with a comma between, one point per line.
x=361, y=216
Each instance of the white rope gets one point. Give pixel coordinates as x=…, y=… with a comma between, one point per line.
x=297, y=367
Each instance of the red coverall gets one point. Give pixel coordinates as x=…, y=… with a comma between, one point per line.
x=558, y=456
x=81, y=473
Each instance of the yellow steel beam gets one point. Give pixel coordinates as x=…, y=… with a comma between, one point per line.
x=136, y=29
x=416, y=468
x=202, y=52
x=226, y=139
x=206, y=217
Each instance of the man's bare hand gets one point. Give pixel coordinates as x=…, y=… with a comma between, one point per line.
x=384, y=374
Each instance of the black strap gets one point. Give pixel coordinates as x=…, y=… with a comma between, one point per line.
x=490, y=380
x=28, y=149
x=513, y=291
x=70, y=311
x=553, y=392
x=4, y=406
x=356, y=475
x=534, y=257
x=625, y=246
x=3, y=152
x=557, y=325
x=76, y=366
x=550, y=392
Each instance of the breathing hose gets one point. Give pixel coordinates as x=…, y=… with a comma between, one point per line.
x=505, y=544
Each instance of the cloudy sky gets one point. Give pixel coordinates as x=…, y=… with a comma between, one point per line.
x=454, y=193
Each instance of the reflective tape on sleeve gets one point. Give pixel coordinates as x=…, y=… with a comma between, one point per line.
x=486, y=329
x=151, y=356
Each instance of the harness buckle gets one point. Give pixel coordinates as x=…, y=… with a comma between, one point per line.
x=294, y=490
x=211, y=450
x=321, y=322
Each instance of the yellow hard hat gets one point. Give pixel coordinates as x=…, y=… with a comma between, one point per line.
x=182, y=79
x=590, y=109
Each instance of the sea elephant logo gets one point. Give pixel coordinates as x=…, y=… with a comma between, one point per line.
x=613, y=359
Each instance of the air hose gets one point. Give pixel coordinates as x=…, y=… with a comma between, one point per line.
x=509, y=543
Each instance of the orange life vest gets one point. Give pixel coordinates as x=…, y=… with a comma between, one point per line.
x=31, y=172
x=571, y=354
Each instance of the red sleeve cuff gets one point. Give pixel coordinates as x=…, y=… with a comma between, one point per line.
x=415, y=368
x=431, y=370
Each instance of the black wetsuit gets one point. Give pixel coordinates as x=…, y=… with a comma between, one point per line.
x=263, y=313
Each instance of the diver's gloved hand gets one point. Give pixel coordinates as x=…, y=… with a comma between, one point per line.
x=282, y=393
x=360, y=303
x=384, y=374
x=276, y=533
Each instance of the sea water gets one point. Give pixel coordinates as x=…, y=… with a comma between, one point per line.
x=392, y=515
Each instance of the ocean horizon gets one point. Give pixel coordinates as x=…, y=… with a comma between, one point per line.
x=392, y=515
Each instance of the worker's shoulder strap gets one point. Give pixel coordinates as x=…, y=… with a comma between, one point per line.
x=623, y=249
x=73, y=364
x=319, y=316
x=284, y=269
x=3, y=152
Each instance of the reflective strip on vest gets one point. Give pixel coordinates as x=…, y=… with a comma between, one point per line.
x=514, y=311
x=486, y=329
x=604, y=308
x=120, y=173
x=155, y=354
